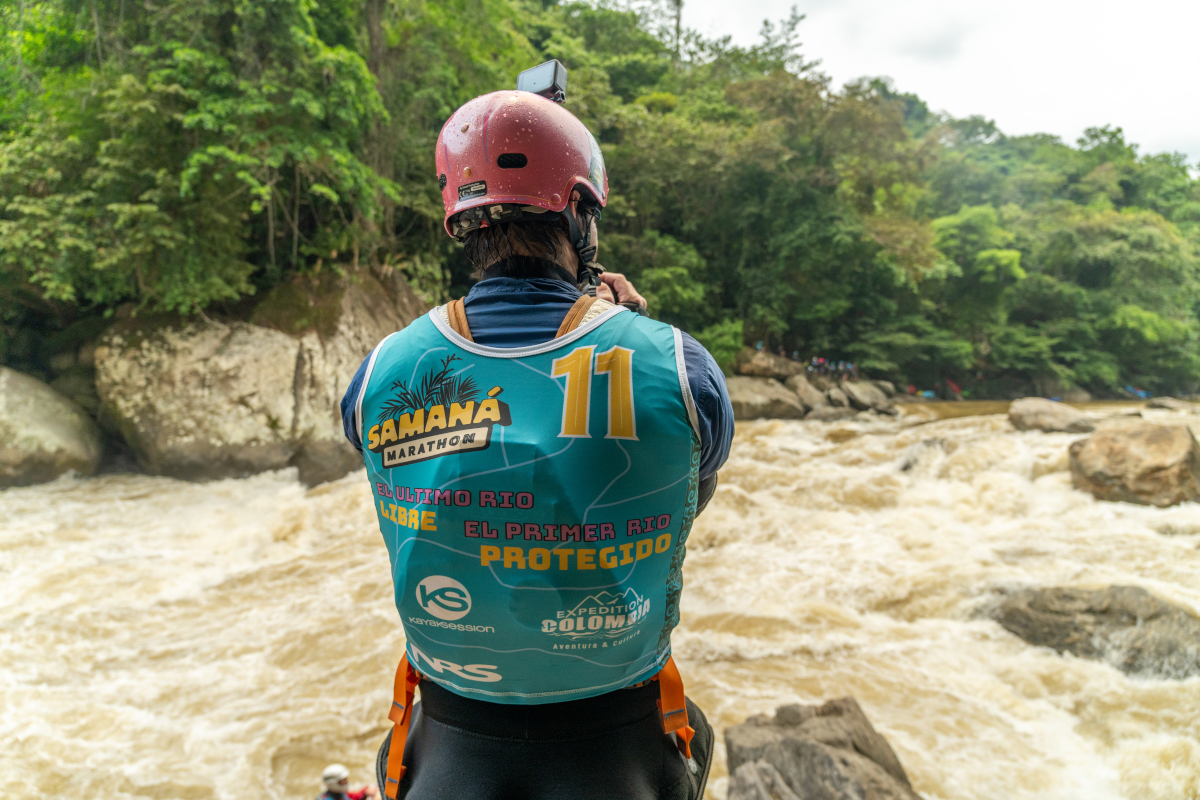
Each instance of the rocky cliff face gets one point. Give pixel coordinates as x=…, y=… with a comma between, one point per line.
x=203, y=400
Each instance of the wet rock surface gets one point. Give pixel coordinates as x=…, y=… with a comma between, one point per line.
x=760, y=364
x=1039, y=414
x=42, y=433
x=1143, y=463
x=825, y=752
x=762, y=398
x=208, y=400
x=1124, y=625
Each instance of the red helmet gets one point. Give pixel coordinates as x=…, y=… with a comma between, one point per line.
x=515, y=155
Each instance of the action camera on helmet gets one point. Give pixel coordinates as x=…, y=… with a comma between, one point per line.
x=548, y=80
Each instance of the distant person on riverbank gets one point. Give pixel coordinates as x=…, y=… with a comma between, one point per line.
x=337, y=785
x=537, y=453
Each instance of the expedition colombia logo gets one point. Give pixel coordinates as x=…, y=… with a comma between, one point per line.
x=439, y=416
x=607, y=615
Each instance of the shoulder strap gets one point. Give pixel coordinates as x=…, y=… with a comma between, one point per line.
x=575, y=315
x=584, y=311
x=457, y=317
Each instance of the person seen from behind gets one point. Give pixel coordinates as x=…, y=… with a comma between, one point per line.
x=537, y=455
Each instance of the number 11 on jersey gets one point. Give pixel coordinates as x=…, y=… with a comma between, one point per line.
x=576, y=366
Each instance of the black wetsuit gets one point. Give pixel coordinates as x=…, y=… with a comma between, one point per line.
x=603, y=748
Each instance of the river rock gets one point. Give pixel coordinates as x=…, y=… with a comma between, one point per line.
x=42, y=433
x=1123, y=625
x=826, y=752
x=809, y=395
x=759, y=398
x=1171, y=404
x=1157, y=465
x=204, y=400
x=761, y=364
x=1040, y=414
x=837, y=398
x=866, y=396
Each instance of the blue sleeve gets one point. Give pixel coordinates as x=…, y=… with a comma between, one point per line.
x=713, y=408
x=350, y=402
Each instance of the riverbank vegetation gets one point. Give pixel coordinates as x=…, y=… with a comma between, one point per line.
x=184, y=156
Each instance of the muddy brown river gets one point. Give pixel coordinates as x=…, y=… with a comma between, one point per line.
x=161, y=639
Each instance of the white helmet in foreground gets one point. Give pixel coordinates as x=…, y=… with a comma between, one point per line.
x=337, y=778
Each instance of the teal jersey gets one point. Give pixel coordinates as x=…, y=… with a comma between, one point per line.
x=535, y=503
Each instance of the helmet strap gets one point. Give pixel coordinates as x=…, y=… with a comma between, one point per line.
x=588, y=274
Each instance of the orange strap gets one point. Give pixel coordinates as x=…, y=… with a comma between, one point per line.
x=458, y=319
x=672, y=708
x=575, y=315
x=407, y=679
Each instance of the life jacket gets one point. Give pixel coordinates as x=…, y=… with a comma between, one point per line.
x=535, y=503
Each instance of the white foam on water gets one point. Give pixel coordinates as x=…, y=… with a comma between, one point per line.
x=226, y=640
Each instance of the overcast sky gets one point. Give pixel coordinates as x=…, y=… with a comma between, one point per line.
x=1055, y=66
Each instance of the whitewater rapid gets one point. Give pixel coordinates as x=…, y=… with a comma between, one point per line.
x=161, y=639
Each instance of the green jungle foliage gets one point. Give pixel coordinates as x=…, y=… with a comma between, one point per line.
x=182, y=155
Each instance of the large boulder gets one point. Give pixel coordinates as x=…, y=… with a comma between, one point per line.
x=200, y=400
x=1040, y=414
x=1123, y=625
x=866, y=396
x=761, y=364
x=809, y=395
x=206, y=400
x=826, y=752
x=762, y=398
x=42, y=433
x=837, y=398
x=1157, y=465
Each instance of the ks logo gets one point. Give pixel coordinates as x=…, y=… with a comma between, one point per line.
x=444, y=598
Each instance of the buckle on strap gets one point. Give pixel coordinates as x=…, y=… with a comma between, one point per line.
x=400, y=714
x=672, y=707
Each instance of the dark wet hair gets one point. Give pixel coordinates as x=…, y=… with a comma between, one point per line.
x=543, y=241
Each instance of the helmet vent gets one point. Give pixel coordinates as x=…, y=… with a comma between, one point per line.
x=442, y=181
x=511, y=160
